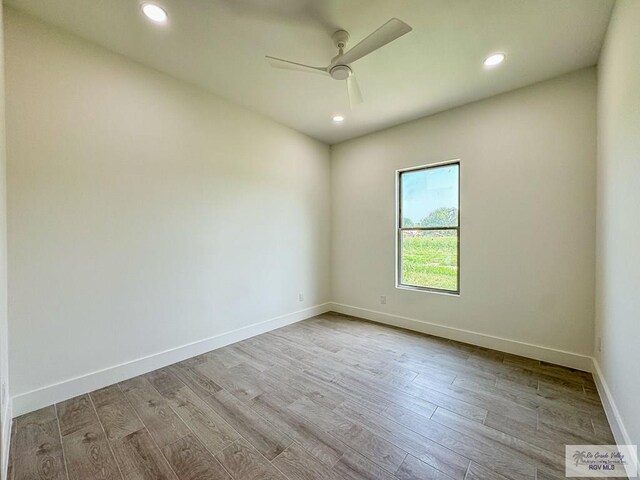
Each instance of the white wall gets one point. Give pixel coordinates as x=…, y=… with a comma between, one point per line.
x=618, y=257
x=143, y=213
x=5, y=406
x=527, y=220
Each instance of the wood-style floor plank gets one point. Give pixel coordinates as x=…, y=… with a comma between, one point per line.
x=262, y=435
x=359, y=438
x=477, y=472
x=246, y=356
x=320, y=444
x=140, y=459
x=241, y=380
x=298, y=464
x=163, y=380
x=353, y=466
x=209, y=427
x=163, y=424
x=417, y=398
x=493, y=401
x=325, y=394
x=192, y=461
x=331, y=398
x=244, y=462
x=115, y=412
x=88, y=455
x=428, y=451
x=506, y=443
x=469, y=447
x=38, y=450
x=380, y=394
x=414, y=469
x=194, y=378
x=75, y=414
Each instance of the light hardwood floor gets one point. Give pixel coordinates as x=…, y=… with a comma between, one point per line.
x=332, y=398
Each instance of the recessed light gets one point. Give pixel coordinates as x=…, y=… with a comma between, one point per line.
x=494, y=59
x=338, y=118
x=155, y=13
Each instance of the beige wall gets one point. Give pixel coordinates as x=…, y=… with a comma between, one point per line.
x=527, y=219
x=5, y=408
x=618, y=257
x=145, y=214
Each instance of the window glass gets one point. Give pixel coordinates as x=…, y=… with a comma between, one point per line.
x=430, y=197
x=430, y=258
x=428, y=228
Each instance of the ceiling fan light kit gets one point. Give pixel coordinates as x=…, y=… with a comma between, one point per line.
x=340, y=72
x=340, y=66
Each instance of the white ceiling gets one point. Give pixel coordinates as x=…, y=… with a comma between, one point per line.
x=220, y=45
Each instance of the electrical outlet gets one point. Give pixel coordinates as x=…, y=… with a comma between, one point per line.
x=301, y=297
x=383, y=299
x=600, y=344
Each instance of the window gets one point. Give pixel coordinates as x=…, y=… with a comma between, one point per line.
x=428, y=228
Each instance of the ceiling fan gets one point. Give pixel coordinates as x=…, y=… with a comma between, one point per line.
x=340, y=66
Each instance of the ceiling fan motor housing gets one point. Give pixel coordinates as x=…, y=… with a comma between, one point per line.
x=340, y=72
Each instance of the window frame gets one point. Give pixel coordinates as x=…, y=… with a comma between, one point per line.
x=400, y=229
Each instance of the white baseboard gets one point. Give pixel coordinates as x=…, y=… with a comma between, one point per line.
x=537, y=352
x=35, y=399
x=6, y=439
x=613, y=414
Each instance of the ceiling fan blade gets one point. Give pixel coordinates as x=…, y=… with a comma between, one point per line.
x=287, y=65
x=387, y=33
x=353, y=89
